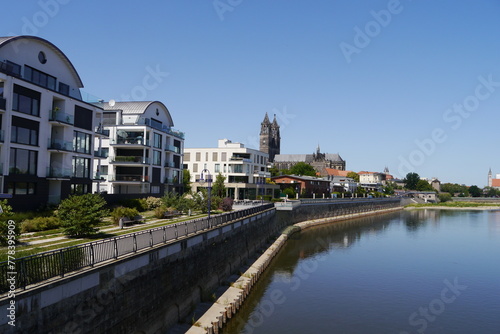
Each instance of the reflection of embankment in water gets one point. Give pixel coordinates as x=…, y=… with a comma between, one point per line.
x=309, y=243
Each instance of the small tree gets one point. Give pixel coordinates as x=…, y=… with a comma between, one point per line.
x=226, y=204
x=186, y=180
x=218, y=187
x=80, y=214
x=9, y=230
x=444, y=197
x=423, y=185
x=302, y=168
x=474, y=191
x=411, y=181
x=354, y=176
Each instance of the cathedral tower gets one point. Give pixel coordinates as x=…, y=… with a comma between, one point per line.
x=270, y=137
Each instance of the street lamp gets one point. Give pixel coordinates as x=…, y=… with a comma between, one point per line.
x=208, y=179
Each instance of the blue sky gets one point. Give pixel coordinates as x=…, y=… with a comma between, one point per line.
x=413, y=85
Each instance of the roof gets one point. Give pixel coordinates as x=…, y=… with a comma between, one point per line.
x=336, y=172
x=134, y=107
x=495, y=182
x=304, y=157
x=6, y=40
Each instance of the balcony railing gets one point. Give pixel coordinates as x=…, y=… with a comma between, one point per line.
x=101, y=154
x=171, y=180
x=101, y=177
x=10, y=68
x=130, y=141
x=59, y=172
x=1, y=136
x=59, y=116
x=57, y=144
x=3, y=103
x=169, y=164
x=129, y=177
x=172, y=148
x=130, y=159
x=101, y=131
x=147, y=122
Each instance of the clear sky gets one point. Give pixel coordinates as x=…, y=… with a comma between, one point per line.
x=413, y=85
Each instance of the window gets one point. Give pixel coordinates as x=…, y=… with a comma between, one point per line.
x=81, y=167
x=223, y=156
x=39, y=78
x=214, y=156
x=81, y=142
x=187, y=156
x=83, y=118
x=63, y=88
x=22, y=161
x=157, y=140
x=217, y=168
x=195, y=168
x=24, y=131
x=157, y=158
x=21, y=188
x=26, y=101
x=198, y=156
x=80, y=188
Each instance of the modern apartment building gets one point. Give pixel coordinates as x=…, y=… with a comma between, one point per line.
x=143, y=153
x=47, y=131
x=245, y=169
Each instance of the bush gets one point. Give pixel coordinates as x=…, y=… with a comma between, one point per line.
x=226, y=204
x=40, y=224
x=120, y=212
x=444, y=197
x=153, y=202
x=80, y=215
x=139, y=204
x=9, y=233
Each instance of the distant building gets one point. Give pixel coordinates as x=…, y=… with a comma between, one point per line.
x=319, y=161
x=436, y=184
x=245, y=169
x=493, y=182
x=270, y=140
x=304, y=185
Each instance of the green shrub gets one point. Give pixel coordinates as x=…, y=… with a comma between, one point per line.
x=160, y=211
x=444, y=197
x=153, y=202
x=40, y=224
x=121, y=212
x=139, y=204
x=9, y=228
x=80, y=215
x=226, y=204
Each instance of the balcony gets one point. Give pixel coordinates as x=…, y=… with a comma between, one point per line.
x=170, y=164
x=160, y=127
x=100, y=131
x=61, y=117
x=173, y=180
x=3, y=104
x=58, y=173
x=120, y=159
x=60, y=145
x=101, y=154
x=100, y=177
x=172, y=148
x=129, y=142
x=128, y=178
x=10, y=68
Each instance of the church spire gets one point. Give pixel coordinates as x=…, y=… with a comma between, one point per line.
x=266, y=120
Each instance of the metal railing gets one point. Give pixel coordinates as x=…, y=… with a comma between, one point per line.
x=40, y=267
x=59, y=116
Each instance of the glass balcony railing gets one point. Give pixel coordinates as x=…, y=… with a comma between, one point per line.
x=59, y=172
x=130, y=141
x=172, y=148
x=147, y=122
x=59, y=116
x=101, y=154
x=57, y=144
x=101, y=131
x=130, y=159
x=129, y=177
x=3, y=103
x=101, y=177
x=1, y=136
x=170, y=164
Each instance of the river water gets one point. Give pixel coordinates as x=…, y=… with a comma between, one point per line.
x=419, y=271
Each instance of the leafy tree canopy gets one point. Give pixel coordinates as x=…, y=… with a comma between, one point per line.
x=186, y=180
x=411, y=181
x=302, y=168
x=218, y=187
x=423, y=185
x=354, y=176
x=80, y=214
x=474, y=191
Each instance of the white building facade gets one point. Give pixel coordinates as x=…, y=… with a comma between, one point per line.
x=143, y=153
x=245, y=170
x=47, y=130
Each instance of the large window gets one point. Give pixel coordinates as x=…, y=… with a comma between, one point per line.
x=157, y=140
x=83, y=118
x=81, y=167
x=39, y=78
x=21, y=188
x=24, y=131
x=80, y=188
x=22, y=161
x=26, y=101
x=157, y=158
x=81, y=142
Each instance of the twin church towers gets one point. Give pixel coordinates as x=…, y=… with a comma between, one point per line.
x=270, y=137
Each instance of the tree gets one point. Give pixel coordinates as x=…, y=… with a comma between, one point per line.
x=218, y=187
x=10, y=230
x=186, y=180
x=274, y=171
x=474, y=191
x=411, y=181
x=454, y=188
x=354, y=176
x=491, y=192
x=80, y=214
x=302, y=168
x=423, y=185
x=444, y=197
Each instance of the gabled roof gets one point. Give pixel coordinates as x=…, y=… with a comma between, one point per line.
x=337, y=172
x=4, y=41
x=495, y=182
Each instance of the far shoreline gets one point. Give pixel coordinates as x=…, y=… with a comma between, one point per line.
x=477, y=208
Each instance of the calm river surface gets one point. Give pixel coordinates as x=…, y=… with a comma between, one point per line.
x=421, y=271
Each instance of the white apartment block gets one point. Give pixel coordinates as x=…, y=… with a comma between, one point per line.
x=47, y=130
x=245, y=169
x=143, y=153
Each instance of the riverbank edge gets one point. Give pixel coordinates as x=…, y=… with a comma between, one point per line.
x=226, y=306
x=460, y=208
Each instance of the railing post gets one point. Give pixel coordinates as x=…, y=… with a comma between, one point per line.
x=164, y=234
x=134, y=241
x=61, y=255
x=92, y=259
x=115, y=247
x=150, y=238
x=176, y=231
